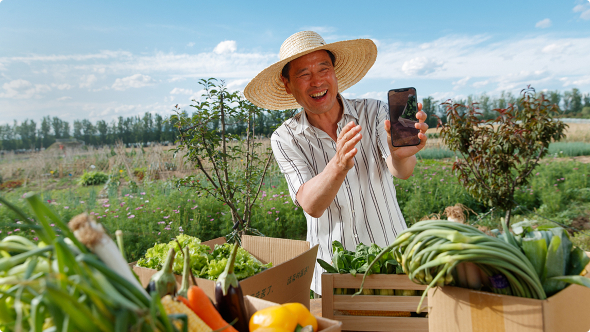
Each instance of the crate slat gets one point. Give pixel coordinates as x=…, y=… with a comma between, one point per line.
x=378, y=302
x=376, y=281
x=398, y=324
x=331, y=302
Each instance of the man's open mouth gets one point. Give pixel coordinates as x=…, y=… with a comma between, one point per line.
x=319, y=94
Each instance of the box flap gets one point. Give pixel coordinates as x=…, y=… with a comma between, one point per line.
x=568, y=310
x=275, y=250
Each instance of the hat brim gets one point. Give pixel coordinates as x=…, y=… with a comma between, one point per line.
x=354, y=58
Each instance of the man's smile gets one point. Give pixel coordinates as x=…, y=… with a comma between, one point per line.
x=319, y=95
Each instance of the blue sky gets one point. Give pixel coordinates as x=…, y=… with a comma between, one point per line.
x=104, y=59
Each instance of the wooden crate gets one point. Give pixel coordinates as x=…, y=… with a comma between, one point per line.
x=333, y=305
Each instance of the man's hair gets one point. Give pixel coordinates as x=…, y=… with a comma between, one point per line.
x=287, y=67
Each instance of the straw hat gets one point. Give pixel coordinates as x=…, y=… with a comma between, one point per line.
x=353, y=59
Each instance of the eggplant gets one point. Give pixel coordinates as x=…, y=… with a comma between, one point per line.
x=163, y=282
x=229, y=296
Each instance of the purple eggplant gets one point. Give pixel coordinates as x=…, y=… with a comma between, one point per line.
x=229, y=297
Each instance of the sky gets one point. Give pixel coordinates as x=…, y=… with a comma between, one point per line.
x=99, y=60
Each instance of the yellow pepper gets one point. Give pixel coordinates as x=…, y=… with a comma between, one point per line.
x=276, y=317
x=304, y=317
x=282, y=318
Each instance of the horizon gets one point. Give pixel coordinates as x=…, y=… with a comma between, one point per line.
x=99, y=61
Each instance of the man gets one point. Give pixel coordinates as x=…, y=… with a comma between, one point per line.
x=336, y=155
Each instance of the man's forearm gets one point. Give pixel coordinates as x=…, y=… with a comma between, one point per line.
x=401, y=168
x=317, y=194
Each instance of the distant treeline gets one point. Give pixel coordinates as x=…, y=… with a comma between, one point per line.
x=155, y=128
x=149, y=128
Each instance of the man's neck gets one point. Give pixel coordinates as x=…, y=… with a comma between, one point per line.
x=328, y=122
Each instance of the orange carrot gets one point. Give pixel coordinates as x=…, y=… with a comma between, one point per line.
x=202, y=306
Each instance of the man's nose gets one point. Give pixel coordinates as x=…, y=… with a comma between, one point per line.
x=316, y=80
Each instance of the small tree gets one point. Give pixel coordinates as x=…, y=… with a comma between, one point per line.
x=499, y=154
x=234, y=165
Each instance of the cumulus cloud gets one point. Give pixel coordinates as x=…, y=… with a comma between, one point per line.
x=420, y=66
x=238, y=84
x=543, y=23
x=191, y=44
x=584, y=10
x=87, y=81
x=481, y=84
x=64, y=86
x=228, y=46
x=134, y=81
x=23, y=89
x=64, y=98
x=460, y=83
x=181, y=91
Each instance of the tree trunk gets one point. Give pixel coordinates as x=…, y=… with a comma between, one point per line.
x=507, y=218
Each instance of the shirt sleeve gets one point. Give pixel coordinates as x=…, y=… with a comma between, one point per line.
x=382, y=115
x=292, y=164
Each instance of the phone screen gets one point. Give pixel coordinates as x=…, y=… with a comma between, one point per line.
x=403, y=107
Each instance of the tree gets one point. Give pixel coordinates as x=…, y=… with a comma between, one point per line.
x=103, y=130
x=576, y=104
x=498, y=155
x=231, y=164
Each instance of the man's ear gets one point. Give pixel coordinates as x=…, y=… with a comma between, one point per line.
x=285, y=83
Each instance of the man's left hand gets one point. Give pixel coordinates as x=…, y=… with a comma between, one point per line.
x=408, y=151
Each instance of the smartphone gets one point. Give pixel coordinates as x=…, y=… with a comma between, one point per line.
x=403, y=107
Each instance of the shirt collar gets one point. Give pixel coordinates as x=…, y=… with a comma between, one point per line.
x=299, y=122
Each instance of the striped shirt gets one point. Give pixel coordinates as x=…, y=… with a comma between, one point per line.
x=365, y=208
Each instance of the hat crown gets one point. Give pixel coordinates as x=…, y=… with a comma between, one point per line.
x=300, y=42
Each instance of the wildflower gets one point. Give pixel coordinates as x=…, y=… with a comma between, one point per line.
x=269, y=212
x=49, y=201
x=180, y=229
x=36, y=238
x=191, y=220
x=159, y=233
x=441, y=180
x=272, y=208
x=9, y=233
x=286, y=202
x=537, y=173
x=81, y=202
x=166, y=217
x=52, y=225
x=127, y=209
x=276, y=219
x=161, y=222
x=106, y=205
x=555, y=185
x=16, y=230
x=116, y=216
x=211, y=219
x=274, y=186
x=131, y=216
x=66, y=207
x=126, y=195
x=122, y=203
x=277, y=211
x=120, y=171
x=282, y=192
x=562, y=179
x=147, y=201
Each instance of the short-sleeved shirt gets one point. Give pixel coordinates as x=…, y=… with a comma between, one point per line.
x=365, y=208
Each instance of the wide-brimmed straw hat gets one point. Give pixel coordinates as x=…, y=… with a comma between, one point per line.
x=354, y=58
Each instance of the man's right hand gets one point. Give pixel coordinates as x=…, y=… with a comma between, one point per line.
x=345, y=146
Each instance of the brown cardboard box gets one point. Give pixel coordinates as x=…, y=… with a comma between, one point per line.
x=288, y=280
x=340, y=307
x=324, y=325
x=453, y=309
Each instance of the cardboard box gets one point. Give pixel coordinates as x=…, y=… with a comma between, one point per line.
x=336, y=306
x=289, y=279
x=324, y=325
x=453, y=309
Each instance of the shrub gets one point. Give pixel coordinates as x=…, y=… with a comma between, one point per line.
x=11, y=184
x=93, y=178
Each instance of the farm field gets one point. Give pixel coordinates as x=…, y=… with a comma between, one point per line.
x=143, y=201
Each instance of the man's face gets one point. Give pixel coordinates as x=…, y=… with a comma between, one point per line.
x=312, y=82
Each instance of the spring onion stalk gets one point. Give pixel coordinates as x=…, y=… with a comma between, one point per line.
x=93, y=236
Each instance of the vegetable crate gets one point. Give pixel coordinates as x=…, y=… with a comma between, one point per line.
x=373, y=312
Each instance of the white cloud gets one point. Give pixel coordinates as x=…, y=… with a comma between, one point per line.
x=481, y=84
x=134, y=81
x=460, y=83
x=228, y=46
x=420, y=66
x=64, y=98
x=191, y=44
x=379, y=95
x=87, y=81
x=64, y=86
x=319, y=29
x=584, y=10
x=23, y=89
x=238, y=84
x=181, y=91
x=543, y=23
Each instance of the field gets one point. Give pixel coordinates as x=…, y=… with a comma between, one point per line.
x=149, y=208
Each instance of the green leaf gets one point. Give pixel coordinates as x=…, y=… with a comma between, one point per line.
x=535, y=249
x=578, y=261
x=326, y=266
x=578, y=280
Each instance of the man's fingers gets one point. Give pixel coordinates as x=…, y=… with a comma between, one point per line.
x=421, y=116
x=350, y=154
x=351, y=142
x=419, y=107
x=346, y=129
x=423, y=127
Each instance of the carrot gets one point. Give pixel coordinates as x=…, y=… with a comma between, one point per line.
x=202, y=306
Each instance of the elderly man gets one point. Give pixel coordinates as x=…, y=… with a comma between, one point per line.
x=336, y=154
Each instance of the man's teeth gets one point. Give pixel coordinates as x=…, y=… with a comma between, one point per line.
x=319, y=94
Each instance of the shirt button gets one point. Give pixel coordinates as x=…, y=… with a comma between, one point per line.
x=352, y=211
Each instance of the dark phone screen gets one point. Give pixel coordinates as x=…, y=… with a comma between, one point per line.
x=403, y=107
